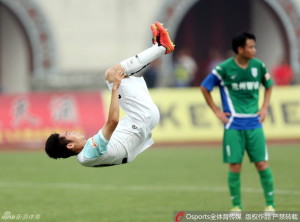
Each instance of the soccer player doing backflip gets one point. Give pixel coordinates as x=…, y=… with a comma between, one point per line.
x=119, y=141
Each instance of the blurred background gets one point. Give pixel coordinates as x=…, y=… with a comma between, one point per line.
x=64, y=44
x=53, y=55
x=52, y=52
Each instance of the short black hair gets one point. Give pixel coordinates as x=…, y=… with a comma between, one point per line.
x=56, y=147
x=239, y=40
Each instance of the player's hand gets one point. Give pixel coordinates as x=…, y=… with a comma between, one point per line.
x=222, y=116
x=262, y=114
x=120, y=74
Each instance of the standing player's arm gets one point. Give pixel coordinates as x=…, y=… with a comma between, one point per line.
x=210, y=102
x=113, y=113
x=264, y=109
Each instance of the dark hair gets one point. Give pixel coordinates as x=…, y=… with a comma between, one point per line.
x=239, y=40
x=56, y=147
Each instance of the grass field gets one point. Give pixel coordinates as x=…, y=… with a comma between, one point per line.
x=159, y=182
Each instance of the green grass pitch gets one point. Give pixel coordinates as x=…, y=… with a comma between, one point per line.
x=159, y=182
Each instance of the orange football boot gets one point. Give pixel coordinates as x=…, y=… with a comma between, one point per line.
x=164, y=38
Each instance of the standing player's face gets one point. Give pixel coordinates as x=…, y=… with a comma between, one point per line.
x=249, y=50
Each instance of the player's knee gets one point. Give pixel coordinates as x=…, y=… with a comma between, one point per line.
x=235, y=167
x=155, y=115
x=262, y=165
x=108, y=75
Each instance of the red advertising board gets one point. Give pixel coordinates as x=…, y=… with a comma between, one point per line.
x=26, y=120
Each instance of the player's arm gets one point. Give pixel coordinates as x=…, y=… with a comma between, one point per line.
x=210, y=102
x=267, y=82
x=113, y=113
x=264, y=109
x=206, y=87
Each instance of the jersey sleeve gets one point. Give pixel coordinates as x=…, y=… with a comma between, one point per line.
x=266, y=78
x=213, y=79
x=95, y=146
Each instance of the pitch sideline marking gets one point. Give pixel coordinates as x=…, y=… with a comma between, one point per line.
x=134, y=187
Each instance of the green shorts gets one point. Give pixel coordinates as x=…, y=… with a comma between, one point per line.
x=235, y=142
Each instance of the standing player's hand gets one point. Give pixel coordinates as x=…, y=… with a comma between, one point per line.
x=262, y=114
x=222, y=116
x=120, y=74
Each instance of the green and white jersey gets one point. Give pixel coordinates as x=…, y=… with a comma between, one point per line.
x=239, y=90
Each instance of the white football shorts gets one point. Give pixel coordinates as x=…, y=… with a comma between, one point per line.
x=133, y=132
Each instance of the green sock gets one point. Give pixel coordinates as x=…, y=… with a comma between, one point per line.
x=234, y=185
x=267, y=183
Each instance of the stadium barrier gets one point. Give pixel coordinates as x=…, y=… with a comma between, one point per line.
x=26, y=120
x=185, y=117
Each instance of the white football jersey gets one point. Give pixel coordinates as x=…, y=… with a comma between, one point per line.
x=133, y=133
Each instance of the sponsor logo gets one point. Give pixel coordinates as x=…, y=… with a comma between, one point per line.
x=94, y=144
x=245, y=86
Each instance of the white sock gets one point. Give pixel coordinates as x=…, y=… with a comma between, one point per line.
x=136, y=63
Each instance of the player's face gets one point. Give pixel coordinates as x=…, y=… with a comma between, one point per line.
x=249, y=50
x=72, y=136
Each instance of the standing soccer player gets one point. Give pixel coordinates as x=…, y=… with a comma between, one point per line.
x=239, y=79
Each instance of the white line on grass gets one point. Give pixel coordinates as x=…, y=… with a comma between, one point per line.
x=165, y=188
